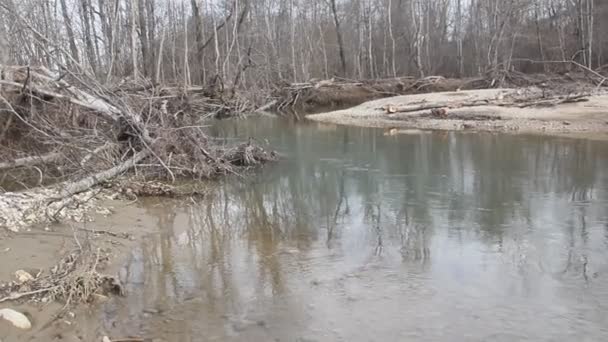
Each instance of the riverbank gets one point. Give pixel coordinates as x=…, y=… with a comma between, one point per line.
x=40, y=250
x=502, y=110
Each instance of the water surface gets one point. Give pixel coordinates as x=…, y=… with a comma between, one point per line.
x=358, y=236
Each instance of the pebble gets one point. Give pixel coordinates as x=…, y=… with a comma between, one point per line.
x=16, y=318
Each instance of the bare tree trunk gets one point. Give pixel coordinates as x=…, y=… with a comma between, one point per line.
x=200, y=49
x=151, y=25
x=334, y=11
x=98, y=61
x=590, y=19
x=418, y=39
x=158, y=76
x=186, y=75
x=392, y=36
x=370, y=46
x=216, y=44
x=541, y=50
x=143, y=37
x=4, y=47
x=292, y=42
x=84, y=8
x=458, y=32
x=69, y=30
x=134, y=49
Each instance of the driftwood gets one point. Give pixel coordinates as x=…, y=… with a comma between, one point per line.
x=440, y=110
x=554, y=101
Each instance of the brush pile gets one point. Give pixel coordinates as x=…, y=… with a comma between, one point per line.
x=61, y=134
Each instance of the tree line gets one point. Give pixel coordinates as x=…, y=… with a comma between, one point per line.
x=261, y=43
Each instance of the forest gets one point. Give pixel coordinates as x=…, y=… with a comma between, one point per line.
x=261, y=43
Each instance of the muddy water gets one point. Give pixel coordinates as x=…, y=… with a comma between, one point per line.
x=358, y=236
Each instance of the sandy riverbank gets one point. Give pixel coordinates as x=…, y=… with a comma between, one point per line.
x=491, y=112
x=38, y=249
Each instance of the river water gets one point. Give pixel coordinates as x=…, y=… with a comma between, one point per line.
x=359, y=236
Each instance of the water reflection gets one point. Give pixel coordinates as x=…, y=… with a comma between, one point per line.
x=358, y=236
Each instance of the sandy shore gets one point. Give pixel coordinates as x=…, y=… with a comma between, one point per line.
x=39, y=247
x=575, y=119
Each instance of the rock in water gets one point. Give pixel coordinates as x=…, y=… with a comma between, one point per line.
x=16, y=318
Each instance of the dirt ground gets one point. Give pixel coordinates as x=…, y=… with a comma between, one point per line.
x=40, y=247
x=589, y=118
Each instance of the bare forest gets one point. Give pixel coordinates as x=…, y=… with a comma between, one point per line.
x=258, y=43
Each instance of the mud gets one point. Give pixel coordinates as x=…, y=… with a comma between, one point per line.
x=41, y=247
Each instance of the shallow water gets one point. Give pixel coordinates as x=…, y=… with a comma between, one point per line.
x=357, y=236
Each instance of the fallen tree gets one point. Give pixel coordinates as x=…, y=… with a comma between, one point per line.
x=89, y=134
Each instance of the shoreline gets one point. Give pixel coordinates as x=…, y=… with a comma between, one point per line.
x=580, y=119
x=40, y=247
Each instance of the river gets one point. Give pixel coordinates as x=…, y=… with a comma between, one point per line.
x=359, y=236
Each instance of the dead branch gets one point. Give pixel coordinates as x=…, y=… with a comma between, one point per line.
x=30, y=161
x=105, y=147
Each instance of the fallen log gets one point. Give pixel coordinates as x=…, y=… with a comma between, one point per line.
x=44, y=204
x=445, y=105
x=555, y=102
x=500, y=101
x=92, y=180
x=30, y=161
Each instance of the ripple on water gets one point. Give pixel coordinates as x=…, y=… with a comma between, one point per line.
x=361, y=237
